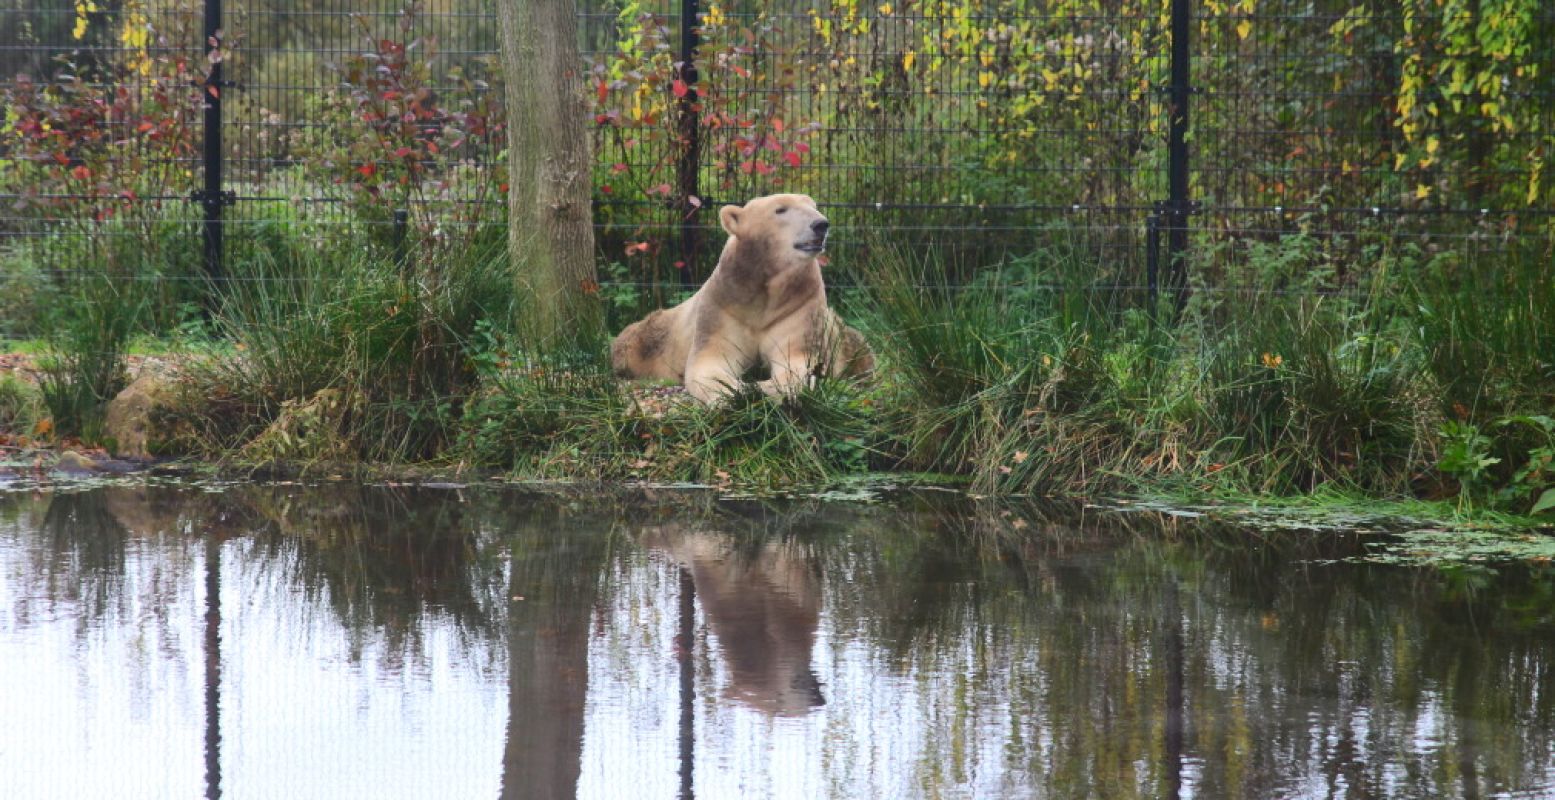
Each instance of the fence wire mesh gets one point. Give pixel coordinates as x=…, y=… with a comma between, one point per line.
x=981, y=130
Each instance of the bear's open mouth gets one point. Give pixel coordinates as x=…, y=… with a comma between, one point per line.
x=812, y=246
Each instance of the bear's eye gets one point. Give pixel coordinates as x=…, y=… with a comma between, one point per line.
x=782, y=210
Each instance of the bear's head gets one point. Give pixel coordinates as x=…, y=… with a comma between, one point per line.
x=785, y=222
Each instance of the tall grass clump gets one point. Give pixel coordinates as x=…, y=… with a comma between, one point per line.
x=87, y=334
x=20, y=406
x=386, y=341
x=1000, y=376
x=954, y=354
x=1303, y=383
x=87, y=287
x=1485, y=323
x=1047, y=375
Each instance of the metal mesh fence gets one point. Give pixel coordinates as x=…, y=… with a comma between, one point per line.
x=979, y=129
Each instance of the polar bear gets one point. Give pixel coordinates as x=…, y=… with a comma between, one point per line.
x=765, y=303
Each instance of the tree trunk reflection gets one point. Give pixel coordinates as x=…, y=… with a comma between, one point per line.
x=554, y=584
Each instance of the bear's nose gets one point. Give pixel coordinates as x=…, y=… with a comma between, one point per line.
x=820, y=226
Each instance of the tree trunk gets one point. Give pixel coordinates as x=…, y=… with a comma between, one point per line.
x=550, y=222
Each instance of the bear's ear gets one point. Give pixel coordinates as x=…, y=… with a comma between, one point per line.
x=730, y=217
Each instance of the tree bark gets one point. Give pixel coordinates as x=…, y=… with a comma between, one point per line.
x=550, y=221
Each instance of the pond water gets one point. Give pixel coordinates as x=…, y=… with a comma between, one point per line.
x=341, y=641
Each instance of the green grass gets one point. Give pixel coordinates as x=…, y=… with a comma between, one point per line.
x=395, y=342
x=83, y=366
x=1415, y=377
x=21, y=405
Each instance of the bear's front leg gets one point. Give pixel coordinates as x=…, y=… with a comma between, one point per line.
x=714, y=373
x=792, y=370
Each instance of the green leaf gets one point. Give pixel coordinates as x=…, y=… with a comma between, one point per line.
x=1545, y=502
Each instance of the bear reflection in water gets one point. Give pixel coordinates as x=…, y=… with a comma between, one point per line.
x=763, y=606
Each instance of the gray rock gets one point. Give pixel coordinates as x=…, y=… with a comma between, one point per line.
x=127, y=425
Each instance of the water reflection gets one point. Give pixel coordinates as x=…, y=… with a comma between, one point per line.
x=554, y=586
x=763, y=605
x=342, y=640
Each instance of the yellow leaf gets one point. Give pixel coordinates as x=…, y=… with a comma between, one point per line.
x=907, y=60
x=1243, y=28
x=1422, y=192
x=885, y=9
x=1432, y=144
x=984, y=78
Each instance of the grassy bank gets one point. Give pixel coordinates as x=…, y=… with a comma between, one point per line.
x=1433, y=376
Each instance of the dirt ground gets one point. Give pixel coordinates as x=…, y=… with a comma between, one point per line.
x=25, y=365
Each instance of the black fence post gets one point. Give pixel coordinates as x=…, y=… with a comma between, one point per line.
x=1178, y=206
x=211, y=196
x=688, y=161
x=1153, y=254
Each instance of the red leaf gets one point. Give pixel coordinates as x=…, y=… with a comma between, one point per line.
x=792, y=158
x=601, y=90
x=618, y=167
x=678, y=87
x=81, y=173
x=777, y=125
x=801, y=147
x=432, y=148
x=367, y=170
x=402, y=152
x=763, y=168
x=740, y=71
